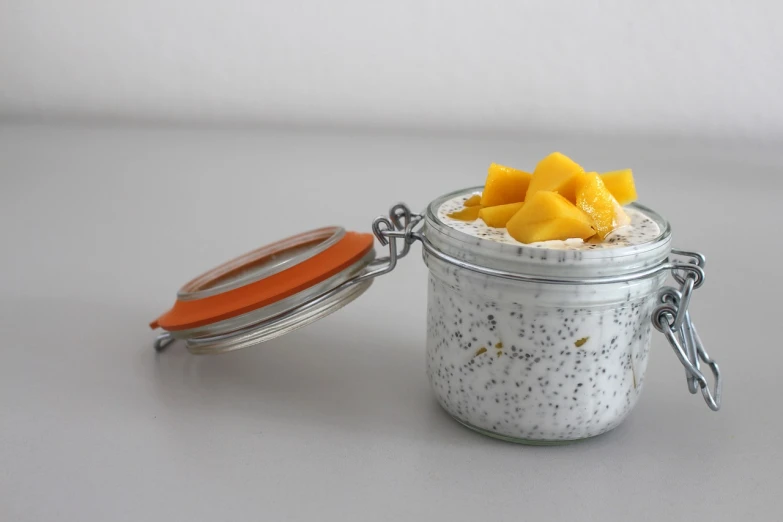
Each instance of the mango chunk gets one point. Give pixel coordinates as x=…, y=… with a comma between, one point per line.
x=620, y=183
x=545, y=205
x=466, y=214
x=473, y=201
x=504, y=185
x=595, y=200
x=555, y=173
x=499, y=215
x=547, y=216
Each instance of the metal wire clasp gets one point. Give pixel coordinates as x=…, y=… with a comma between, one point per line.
x=399, y=225
x=673, y=319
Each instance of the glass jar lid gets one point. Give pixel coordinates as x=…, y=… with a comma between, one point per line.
x=269, y=291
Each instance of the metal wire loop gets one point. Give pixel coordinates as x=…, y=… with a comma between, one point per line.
x=400, y=215
x=687, y=332
x=673, y=297
x=663, y=317
x=162, y=341
x=684, y=301
x=682, y=271
x=667, y=294
x=712, y=398
x=380, y=226
x=402, y=218
x=696, y=259
x=399, y=225
x=672, y=317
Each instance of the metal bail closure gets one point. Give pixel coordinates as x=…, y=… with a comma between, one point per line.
x=672, y=318
x=281, y=287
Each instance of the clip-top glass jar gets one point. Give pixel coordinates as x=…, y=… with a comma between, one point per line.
x=539, y=344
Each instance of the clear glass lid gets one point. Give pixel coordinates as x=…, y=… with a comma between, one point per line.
x=269, y=291
x=260, y=263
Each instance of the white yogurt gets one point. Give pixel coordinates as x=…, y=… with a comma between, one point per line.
x=532, y=362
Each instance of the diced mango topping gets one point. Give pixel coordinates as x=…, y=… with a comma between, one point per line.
x=473, y=201
x=499, y=215
x=548, y=215
x=555, y=173
x=558, y=201
x=550, y=205
x=620, y=183
x=466, y=214
x=504, y=185
x=595, y=200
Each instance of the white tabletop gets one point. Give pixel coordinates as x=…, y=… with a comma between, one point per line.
x=99, y=227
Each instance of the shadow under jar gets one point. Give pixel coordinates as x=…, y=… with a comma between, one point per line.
x=540, y=362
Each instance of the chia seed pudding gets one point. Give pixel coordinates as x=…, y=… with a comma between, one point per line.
x=539, y=362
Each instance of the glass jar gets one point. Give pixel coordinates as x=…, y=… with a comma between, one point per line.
x=538, y=362
x=527, y=344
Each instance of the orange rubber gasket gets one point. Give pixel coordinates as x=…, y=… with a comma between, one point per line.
x=199, y=312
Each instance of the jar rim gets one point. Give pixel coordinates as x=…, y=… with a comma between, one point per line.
x=663, y=225
x=525, y=259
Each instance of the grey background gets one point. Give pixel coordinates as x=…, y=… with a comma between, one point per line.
x=99, y=225
x=665, y=66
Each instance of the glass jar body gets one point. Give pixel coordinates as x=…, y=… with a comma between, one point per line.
x=538, y=345
x=537, y=363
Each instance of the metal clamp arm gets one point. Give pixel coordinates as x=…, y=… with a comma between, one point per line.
x=673, y=319
x=399, y=225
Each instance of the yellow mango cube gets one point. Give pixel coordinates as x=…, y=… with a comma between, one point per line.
x=504, y=185
x=555, y=173
x=620, y=183
x=546, y=205
x=547, y=216
x=466, y=214
x=595, y=200
x=499, y=215
x=473, y=201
